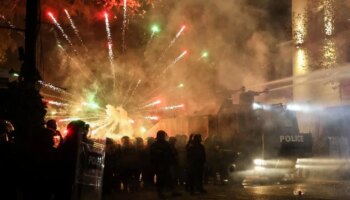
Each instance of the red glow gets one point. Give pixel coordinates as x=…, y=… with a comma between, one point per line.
x=51, y=16
x=49, y=11
x=101, y=15
x=183, y=27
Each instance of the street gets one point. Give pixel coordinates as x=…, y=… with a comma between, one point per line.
x=312, y=190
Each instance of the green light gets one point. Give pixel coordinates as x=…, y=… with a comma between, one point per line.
x=93, y=105
x=155, y=29
x=143, y=130
x=14, y=73
x=205, y=54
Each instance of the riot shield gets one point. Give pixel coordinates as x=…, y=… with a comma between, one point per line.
x=89, y=169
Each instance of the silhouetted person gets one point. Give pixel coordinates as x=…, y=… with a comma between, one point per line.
x=43, y=154
x=108, y=172
x=196, y=159
x=181, y=148
x=128, y=160
x=55, y=141
x=68, y=155
x=148, y=170
x=52, y=125
x=7, y=163
x=174, y=166
x=161, y=156
x=214, y=159
x=117, y=165
x=246, y=98
x=138, y=163
x=246, y=115
x=187, y=147
x=210, y=147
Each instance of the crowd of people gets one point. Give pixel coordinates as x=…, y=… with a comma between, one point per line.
x=46, y=168
x=167, y=163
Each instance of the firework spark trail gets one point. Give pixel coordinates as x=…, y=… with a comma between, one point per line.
x=155, y=29
x=157, y=102
x=71, y=103
x=100, y=126
x=110, y=49
x=152, y=104
x=54, y=88
x=9, y=23
x=103, y=125
x=55, y=97
x=62, y=31
x=97, y=126
x=153, y=118
x=124, y=26
x=132, y=93
x=58, y=41
x=70, y=116
x=128, y=90
x=56, y=103
x=173, y=107
x=69, y=119
x=75, y=28
x=164, y=89
x=3, y=18
x=78, y=118
x=179, y=57
x=98, y=123
x=92, y=105
x=175, y=61
x=153, y=93
x=178, y=34
x=150, y=40
x=166, y=69
x=86, y=72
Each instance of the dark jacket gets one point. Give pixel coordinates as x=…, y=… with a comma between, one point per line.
x=161, y=154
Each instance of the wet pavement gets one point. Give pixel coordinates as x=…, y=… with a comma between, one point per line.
x=312, y=190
